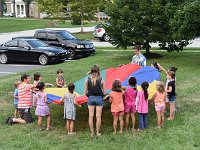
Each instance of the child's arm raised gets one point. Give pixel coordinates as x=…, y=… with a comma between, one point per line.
x=161, y=68
x=75, y=102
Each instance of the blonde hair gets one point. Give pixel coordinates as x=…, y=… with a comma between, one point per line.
x=95, y=73
x=160, y=87
x=17, y=83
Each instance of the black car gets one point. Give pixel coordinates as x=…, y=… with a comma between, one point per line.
x=64, y=39
x=31, y=50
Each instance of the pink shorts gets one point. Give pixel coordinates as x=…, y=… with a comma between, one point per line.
x=159, y=107
x=130, y=108
x=120, y=113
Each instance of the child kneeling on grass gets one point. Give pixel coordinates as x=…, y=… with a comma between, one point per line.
x=117, y=105
x=69, y=100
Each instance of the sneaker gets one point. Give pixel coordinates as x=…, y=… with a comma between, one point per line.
x=49, y=128
x=6, y=120
x=98, y=134
x=40, y=129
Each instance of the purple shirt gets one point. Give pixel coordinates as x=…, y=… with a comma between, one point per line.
x=40, y=98
x=142, y=103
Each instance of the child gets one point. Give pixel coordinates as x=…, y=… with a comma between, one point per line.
x=42, y=108
x=60, y=81
x=142, y=106
x=16, y=84
x=117, y=105
x=69, y=100
x=130, y=98
x=159, y=100
x=171, y=93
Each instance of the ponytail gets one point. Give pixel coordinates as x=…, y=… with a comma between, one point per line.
x=145, y=86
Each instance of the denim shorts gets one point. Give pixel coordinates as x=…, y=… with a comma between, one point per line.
x=172, y=99
x=95, y=101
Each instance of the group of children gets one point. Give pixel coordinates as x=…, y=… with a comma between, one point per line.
x=123, y=100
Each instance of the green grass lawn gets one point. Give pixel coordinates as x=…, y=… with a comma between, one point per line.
x=84, y=35
x=181, y=134
x=21, y=24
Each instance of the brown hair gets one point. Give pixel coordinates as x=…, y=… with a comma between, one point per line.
x=116, y=86
x=37, y=75
x=71, y=87
x=59, y=71
x=145, y=86
x=160, y=87
x=95, y=72
x=171, y=74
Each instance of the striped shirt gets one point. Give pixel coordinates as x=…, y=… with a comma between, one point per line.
x=24, y=95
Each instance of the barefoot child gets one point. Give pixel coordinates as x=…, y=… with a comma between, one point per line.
x=117, y=105
x=130, y=98
x=42, y=108
x=142, y=106
x=159, y=100
x=69, y=100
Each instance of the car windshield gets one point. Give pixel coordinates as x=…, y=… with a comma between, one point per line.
x=65, y=36
x=36, y=43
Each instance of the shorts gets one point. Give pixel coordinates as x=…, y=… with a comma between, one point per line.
x=172, y=99
x=95, y=101
x=26, y=115
x=120, y=113
x=130, y=108
x=16, y=105
x=167, y=100
x=159, y=107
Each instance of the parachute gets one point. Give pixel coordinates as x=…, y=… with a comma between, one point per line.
x=148, y=74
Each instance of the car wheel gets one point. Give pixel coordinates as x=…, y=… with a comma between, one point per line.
x=71, y=54
x=43, y=59
x=3, y=58
x=106, y=37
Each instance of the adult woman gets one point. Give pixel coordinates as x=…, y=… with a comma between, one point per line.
x=95, y=89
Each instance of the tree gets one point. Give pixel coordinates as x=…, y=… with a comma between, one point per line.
x=1, y=8
x=145, y=21
x=54, y=8
x=27, y=7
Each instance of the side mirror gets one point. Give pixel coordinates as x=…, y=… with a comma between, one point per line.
x=27, y=47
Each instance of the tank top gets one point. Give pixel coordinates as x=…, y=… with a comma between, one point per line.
x=159, y=99
x=95, y=90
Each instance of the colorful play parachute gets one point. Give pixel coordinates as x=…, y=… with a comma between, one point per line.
x=149, y=74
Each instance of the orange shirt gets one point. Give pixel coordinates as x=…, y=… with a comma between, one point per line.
x=116, y=99
x=159, y=99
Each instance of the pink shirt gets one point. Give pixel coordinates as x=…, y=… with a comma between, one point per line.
x=142, y=103
x=116, y=99
x=130, y=96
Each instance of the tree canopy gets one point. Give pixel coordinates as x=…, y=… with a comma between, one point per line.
x=145, y=21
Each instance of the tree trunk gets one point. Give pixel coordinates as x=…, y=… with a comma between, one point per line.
x=81, y=23
x=147, y=46
x=1, y=8
x=14, y=14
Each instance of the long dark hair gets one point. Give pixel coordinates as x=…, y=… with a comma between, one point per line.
x=145, y=86
x=132, y=82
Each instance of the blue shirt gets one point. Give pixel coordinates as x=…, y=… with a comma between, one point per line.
x=16, y=94
x=140, y=60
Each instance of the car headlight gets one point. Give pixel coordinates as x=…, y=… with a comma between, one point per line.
x=80, y=46
x=50, y=53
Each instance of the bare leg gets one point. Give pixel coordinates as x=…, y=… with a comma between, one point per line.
x=72, y=126
x=15, y=113
x=133, y=120
x=90, y=121
x=98, y=118
x=127, y=120
x=121, y=123
x=68, y=126
x=19, y=120
x=172, y=106
x=115, y=120
x=48, y=121
x=162, y=117
x=39, y=122
x=158, y=118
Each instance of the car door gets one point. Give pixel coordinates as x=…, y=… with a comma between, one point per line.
x=53, y=40
x=42, y=36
